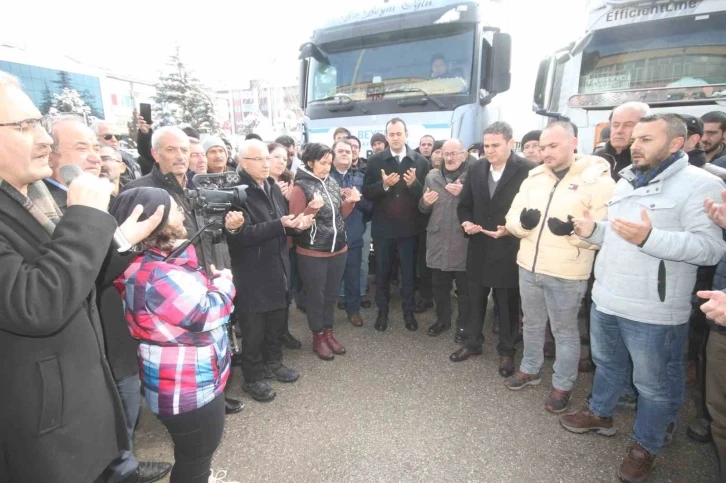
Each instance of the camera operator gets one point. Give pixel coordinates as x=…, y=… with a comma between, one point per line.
x=260, y=264
x=62, y=417
x=171, y=150
x=179, y=315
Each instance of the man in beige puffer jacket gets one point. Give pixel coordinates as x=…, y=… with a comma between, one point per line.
x=554, y=263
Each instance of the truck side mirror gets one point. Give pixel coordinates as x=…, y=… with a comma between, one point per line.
x=544, y=84
x=500, y=76
x=303, y=82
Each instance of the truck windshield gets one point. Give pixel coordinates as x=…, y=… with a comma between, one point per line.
x=396, y=65
x=678, y=52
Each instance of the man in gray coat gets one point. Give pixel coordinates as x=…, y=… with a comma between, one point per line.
x=654, y=237
x=446, y=243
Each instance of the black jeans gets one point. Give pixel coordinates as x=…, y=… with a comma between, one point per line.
x=196, y=436
x=129, y=390
x=261, y=341
x=509, y=304
x=424, y=273
x=385, y=248
x=442, y=295
x=322, y=277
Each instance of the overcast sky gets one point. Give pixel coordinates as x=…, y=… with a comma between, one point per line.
x=226, y=41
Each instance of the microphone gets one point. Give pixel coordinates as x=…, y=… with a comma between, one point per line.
x=69, y=173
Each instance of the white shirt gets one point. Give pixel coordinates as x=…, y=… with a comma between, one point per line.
x=496, y=175
x=400, y=155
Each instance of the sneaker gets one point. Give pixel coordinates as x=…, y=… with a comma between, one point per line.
x=670, y=433
x=282, y=372
x=700, y=430
x=260, y=391
x=587, y=422
x=521, y=379
x=637, y=465
x=219, y=477
x=557, y=401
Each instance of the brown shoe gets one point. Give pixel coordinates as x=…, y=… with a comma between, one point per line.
x=356, y=320
x=637, y=465
x=557, y=401
x=691, y=373
x=586, y=422
x=321, y=347
x=506, y=366
x=520, y=379
x=334, y=345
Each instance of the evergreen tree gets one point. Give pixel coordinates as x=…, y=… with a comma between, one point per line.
x=47, y=99
x=69, y=102
x=133, y=126
x=63, y=81
x=181, y=98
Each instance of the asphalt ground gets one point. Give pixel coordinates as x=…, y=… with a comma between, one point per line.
x=394, y=409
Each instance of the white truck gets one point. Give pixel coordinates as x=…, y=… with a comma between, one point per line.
x=668, y=54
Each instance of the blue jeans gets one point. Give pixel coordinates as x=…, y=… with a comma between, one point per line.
x=543, y=297
x=658, y=355
x=351, y=280
x=366, y=254
x=129, y=389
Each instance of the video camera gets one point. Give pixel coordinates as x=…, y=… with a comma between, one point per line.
x=215, y=196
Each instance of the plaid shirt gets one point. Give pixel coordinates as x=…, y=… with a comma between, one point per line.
x=178, y=314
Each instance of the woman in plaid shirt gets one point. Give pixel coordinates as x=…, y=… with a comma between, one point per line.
x=178, y=314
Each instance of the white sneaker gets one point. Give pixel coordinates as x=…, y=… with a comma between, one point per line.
x=219, y=477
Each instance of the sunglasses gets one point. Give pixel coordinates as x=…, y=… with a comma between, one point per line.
x=108, y=137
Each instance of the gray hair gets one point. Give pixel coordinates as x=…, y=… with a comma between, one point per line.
x=9, y=80
x=640, y=107
x=97, y=124
x=500, y=127
x=244, y=149
x=159, y=133
x=62, y=119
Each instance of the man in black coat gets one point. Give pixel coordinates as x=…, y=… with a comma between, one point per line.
x=261, y=269
x=622, y=122
x=491, y=264
x=75, y=143
x=394, y=182
x=62, y=418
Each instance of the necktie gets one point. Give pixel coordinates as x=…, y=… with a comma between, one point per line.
x=398, y=159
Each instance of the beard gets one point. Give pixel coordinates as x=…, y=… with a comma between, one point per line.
x=654, y=161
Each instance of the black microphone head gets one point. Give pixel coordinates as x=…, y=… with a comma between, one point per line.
x=70, y=172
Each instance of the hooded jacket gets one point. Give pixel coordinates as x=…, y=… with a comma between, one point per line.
x=586, y=186
x=653, y=283
x=328, y=231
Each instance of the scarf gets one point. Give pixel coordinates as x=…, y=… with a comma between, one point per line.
x=39, y=203
x=643, y=178
x=452, y=176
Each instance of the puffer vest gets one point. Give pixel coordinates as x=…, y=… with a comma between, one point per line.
x=328, y=231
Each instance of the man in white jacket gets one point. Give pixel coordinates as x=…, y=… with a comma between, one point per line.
x=653, y=239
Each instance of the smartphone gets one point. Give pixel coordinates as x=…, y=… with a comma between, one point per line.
x=145, y=112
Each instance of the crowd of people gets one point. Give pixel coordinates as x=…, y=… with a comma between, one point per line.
x=106, y=290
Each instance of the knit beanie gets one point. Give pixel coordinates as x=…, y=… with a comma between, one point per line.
x=531, y=136
x=149, y=198
x=211, y=142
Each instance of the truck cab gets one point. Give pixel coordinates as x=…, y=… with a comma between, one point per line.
x=433, y=63
x=668, y=54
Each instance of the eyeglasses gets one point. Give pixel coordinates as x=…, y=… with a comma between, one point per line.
x=26, y=125
x=260, y=160
x=108, y=137
x=453, y=155
x=108, y=159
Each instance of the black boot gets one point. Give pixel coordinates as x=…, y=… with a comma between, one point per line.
x=289, y=341
x=411, y=323
x=382, y=322
x=260, y=391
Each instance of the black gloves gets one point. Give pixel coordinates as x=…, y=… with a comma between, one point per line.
x=529, y=218
x=561, y=228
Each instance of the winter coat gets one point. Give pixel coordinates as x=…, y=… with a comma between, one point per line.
x=618, y=162
x=586, y=186
x=446, y=242
x=492, y=262
x=395, y=210
x=192, y=220
x=653, y=283
x=259, y=251
x=355, y=224
x=328, y=231
x=62, y=420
